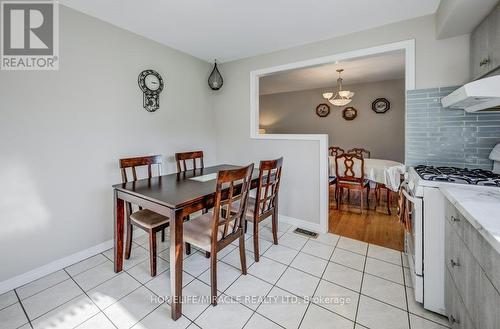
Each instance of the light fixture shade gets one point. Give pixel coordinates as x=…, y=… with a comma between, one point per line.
x=346, y=94
x=327, y=95
x=340, y=101
x=215, y=80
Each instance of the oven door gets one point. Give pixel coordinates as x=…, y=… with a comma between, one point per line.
x=414, y=237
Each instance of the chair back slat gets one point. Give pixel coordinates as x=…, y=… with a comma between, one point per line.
x=353, y=166
x=231, y=190
x=181, y=158
x=360, y=151
x=268, y=188
x=335, y=150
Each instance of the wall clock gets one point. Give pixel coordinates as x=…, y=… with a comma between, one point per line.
x=322, y=110
x=381, y=105
x=151, y=85
x=349, y=113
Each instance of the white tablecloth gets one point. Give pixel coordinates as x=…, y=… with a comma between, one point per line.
x=381, y=171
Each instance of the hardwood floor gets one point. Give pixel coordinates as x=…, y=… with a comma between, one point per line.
x=374, y=226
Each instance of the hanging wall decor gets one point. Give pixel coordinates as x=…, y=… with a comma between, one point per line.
x=215, y=80
x=151, y=85
x=381, y=105
x=349, y=113
x=322, y=110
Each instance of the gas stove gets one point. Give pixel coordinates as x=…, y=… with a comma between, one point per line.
x=458, y=175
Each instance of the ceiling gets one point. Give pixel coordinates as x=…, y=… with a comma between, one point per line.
x=388, y=66
x=229, y=29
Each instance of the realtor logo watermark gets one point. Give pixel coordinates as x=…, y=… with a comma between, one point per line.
x=29, y=35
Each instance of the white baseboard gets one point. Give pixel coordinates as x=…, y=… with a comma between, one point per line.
x=315, y=227
x=52, y=267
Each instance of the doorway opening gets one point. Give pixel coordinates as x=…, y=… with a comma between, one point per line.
x=299, y=100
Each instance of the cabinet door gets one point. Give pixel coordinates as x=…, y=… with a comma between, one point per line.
x=494, y=38
x=480, y=58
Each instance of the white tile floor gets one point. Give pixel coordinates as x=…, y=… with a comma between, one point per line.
x=328, y=282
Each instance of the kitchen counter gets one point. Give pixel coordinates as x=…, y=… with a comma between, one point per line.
x=480, y=206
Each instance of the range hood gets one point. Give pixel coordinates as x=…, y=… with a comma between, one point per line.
x=477, y=95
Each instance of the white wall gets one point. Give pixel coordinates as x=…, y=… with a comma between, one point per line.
x=62, y=133
x=438, y=63
x=382, y=134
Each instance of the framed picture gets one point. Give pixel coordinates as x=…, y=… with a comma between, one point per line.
x=349, y=113
x=381, y=105
x=322, y=110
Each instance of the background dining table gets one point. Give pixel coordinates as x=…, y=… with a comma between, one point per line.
x=386, y=172
x=174, y=196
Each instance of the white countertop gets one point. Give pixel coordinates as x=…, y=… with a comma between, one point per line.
x=480, y=206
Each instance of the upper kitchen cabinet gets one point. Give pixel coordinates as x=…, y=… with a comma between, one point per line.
x=485, y=45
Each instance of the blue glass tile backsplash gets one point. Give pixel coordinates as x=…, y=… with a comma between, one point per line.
x=445, y=137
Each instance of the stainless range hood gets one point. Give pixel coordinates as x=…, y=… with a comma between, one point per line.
x=475, y=96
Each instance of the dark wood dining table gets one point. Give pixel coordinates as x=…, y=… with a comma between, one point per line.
x=174, y=196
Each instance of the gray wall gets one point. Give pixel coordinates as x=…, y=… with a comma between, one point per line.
x=62, y=133
x=438, y=62
x=445, y=137
x=382, y=134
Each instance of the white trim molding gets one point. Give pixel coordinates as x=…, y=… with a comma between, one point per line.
x=52, y=267
x=409, y=48
x=315, y=227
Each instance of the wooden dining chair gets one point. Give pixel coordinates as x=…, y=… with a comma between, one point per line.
x=332, y=179
x=265, y=203
x=182, y=166
x=182, y=157
x=379, y=189
x=144, y=219
x=213, y=231
x=352, y=177
x=360, y=151
x=335, y=150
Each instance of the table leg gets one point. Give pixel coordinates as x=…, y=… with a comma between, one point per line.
x=176, y=255
x=119, y=227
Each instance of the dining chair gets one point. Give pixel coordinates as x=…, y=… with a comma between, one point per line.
x=379, y=188
x=181, y=158
x=265, y=203
x=215, y=230
x=360, y=151
x=144, y=219
x=332, y=179
x=335, y=150
x=352, y=177
x=182, y=166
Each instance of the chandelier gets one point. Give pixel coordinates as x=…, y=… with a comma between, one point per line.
x=341, y=97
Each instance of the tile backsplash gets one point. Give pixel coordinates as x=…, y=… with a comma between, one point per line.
x=445, y=137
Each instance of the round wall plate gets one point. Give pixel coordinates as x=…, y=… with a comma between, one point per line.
x=322, y=110
x=349, y=113
x=381, y=105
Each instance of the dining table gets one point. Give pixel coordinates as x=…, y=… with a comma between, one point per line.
x=381, y=171
x=174, y=196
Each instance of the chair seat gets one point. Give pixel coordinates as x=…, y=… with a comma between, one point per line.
x=148, y=219
x=198, y=231
x=365, y=182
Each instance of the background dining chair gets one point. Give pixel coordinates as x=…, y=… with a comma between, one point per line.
x=265, y=203
x=360, y=151
x=332, y=179
x=352, y=177
x=181, y=158
x=145, y=219
x=216, y=230
x=182, y=166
